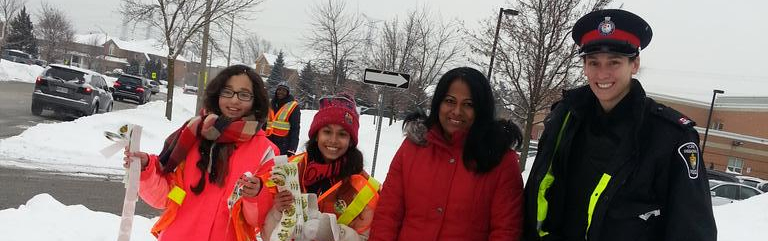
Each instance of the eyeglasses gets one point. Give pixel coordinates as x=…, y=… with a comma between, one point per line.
x=241, y=95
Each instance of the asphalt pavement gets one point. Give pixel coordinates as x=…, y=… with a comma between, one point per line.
x=98, y=193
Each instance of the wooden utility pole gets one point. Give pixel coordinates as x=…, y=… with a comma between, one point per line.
x=202, y=77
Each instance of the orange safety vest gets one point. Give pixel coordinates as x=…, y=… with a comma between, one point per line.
x=243, y=230
x=347, y=198
x=278, y=124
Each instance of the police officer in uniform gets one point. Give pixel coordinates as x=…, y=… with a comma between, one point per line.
x=612, y=163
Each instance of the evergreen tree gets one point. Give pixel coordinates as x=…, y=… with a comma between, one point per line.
x=307, y=94
x=20, y=35
x=276, y=76
x=133, y=67
x=147, y=73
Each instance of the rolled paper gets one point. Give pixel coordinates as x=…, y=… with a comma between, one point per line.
x=132, y=184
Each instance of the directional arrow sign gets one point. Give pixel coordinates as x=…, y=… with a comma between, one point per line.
x=380, y=77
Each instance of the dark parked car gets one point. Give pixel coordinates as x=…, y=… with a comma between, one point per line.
x=721, y=176
x=72, y=91
x=132, y=87
x=18, y=56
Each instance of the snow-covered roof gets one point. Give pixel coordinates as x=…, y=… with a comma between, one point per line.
x=146, y=46
x=90, y=39
x=697, y=87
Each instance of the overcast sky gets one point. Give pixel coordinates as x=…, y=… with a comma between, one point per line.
x=718, y=37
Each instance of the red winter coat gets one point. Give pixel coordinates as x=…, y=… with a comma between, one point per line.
x=429, y=195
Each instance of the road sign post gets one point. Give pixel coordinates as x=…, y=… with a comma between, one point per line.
x=385, y=78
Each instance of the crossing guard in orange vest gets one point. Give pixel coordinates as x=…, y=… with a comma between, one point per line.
x=332, y=168
x=284, y=120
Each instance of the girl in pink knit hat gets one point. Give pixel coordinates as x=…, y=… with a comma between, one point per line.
x=332, y=168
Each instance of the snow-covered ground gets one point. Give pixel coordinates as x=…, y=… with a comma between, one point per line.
x=12, y=71
x=74, y=146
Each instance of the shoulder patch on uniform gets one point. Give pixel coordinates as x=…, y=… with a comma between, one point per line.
x=689, y=153
x=672, y=115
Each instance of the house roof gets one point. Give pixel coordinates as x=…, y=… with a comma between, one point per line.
x=95, y=39
x=696, y=88
x=146, y=46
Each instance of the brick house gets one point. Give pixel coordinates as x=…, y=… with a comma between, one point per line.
x=292, y=68
x=103, y=53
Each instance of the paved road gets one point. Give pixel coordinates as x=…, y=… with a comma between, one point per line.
x=17, y=186
x=15, y=114
x=95, y=193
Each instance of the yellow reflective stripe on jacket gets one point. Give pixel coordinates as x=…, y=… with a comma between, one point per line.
x=374, y=183
x=177, y=194
x=541, y=201
x=282, y=125
x=279, y=124
x=358, y=204
x=286, y=110
x=596, y=196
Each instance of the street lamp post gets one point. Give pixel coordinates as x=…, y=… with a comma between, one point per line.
x=711, y=105
x=502, y=11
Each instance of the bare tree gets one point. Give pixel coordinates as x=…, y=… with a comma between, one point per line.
x=536, y=57
x=179, y=21
x=8, y=9
x=335, y=39
x=423, y=46
x=94, y=53
x=56, y=31
x=251, y=47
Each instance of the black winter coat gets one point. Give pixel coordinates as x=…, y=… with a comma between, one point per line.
x=658, y=189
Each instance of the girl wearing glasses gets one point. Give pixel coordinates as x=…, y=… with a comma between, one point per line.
x=194, y=176
x=332, y=168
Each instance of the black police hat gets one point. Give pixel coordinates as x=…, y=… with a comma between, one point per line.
x=611, y=30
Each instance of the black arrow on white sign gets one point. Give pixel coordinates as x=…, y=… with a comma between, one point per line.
x=392, y=79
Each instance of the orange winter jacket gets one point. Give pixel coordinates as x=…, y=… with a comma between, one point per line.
x=205, y=216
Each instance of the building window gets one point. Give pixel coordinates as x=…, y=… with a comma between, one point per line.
x=735, y=164
x=717, y=125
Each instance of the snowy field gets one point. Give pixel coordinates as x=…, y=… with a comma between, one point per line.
x=73, y=147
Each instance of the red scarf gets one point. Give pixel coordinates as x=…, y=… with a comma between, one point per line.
x=219, y=129
x=319, y=177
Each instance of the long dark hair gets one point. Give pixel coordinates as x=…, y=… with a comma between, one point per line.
x=351, y=162
x=221, y=151
x=487, y=139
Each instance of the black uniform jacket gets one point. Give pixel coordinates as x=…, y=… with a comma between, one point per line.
x=658, y=189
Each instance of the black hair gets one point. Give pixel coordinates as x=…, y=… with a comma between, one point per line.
x=220, y=153
x=479, y=155
x=260, y=106
x=352, y=159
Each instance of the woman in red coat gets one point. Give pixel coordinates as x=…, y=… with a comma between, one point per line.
x=456, y=176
